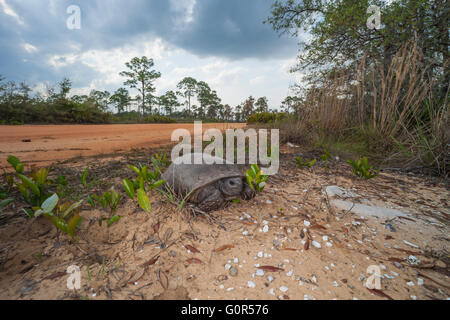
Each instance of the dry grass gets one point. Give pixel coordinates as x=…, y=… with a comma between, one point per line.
x=390, y=113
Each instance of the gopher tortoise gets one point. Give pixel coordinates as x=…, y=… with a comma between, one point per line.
x=208, y=186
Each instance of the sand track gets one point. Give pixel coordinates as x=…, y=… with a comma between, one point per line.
x=52, y=143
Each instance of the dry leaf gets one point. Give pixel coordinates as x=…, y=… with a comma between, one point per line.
x=395, y=260
x=415, y=253
x=306, y=247
x=318, y=226
x=156, y=227
x=223, y=248
x=289, y=249
x=388, y=238
x=191, y=248
x=137, y=276
x=193, y=260
x=379, y=293
x=345, y=231
x=167, y=235
x=163, y=279
x=55, y=275
x=270, y=268
x=151, y=262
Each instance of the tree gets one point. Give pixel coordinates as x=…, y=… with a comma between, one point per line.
x=140, y=76
x=262, y=105
x=291, y=104
x=188, y=88
x=339, y=34
x=100, y=99
x=64, y=88
x=227, y=113
x=247, y=108
x=120, y=99
x=238, y=113
x=169, y=101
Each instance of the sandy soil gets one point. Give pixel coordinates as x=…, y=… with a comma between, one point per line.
x=45, y=144
x=167, y=254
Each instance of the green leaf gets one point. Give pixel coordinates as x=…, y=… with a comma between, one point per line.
x=135, y=169
x=50, y=203
x=143, y=200
x=20, y=168
x=84, y=176
x=29, y=212
x=4, y=203
x=30, y=184
x=71, y=208
x=13, y=161
x=71, y=226
x=157, y=184
x=113, y=220
x=128, y=185
x=41, y=176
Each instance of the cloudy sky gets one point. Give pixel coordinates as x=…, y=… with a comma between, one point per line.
x=221, y=42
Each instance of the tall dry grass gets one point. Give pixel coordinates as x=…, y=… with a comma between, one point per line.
x=392, y=110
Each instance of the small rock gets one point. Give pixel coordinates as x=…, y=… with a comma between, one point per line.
x=172, y=253
x=251, y=284
x=233, y=271
x=316, y=244
x=284, y=289
x=269, y=278
x=410, y=244
x=265, y=228
x=411, y=283
x=413, y=260
x=227, y=266
x=306, y=223
x=390, y=227
x=268, y=202
x=260, y=273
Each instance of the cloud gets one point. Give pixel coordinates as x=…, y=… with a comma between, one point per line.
x=8, y=10
x=222, y=42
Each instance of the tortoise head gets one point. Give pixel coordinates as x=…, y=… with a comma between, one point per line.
x=231, y=188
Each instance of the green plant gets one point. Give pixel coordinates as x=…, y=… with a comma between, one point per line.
x=146, y=180
x=305, y=163
x=108, y=200
x=32, y=187
x=255, y=179
x=84, y=176
x=326, y=156
x=160, y=162
x=4, y=203
x=64, y=217
x=362, y=168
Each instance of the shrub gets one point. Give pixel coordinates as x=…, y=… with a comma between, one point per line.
x=158, y=119
x=265, y=117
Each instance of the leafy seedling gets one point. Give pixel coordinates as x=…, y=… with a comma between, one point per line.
x=305, y=163
x=84, y=176
x=255, y=179
x=362, y=168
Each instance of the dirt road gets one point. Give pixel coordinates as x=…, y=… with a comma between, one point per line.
x=45, y=144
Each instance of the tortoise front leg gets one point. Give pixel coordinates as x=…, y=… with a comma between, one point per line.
x=248, y=193
x=210, y=199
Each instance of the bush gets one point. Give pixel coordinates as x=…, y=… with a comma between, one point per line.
x=158, y=119
x=266, y=117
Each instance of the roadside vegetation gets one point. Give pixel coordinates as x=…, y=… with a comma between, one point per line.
x=375, y=93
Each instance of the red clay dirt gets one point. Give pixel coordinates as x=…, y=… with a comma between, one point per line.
x=53, y=143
